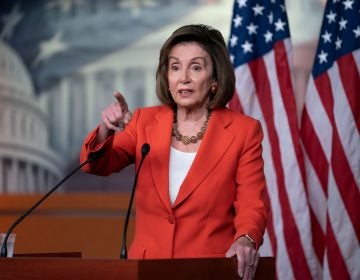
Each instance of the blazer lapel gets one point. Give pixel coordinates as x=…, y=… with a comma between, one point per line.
x=214, y=144
x=159, y=135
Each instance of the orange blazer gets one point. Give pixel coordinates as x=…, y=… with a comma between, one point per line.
x=221, y=198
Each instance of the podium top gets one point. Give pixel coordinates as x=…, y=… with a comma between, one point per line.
x=75, y=268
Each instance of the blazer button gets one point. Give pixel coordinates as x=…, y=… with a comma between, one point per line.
x=171, y=219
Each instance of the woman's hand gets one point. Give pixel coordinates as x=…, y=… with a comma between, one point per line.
x=247, y=257
x=114, y=117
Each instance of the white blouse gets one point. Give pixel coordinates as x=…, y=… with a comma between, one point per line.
x=180, y=163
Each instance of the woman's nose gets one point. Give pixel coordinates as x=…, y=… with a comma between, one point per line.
x=184, y=77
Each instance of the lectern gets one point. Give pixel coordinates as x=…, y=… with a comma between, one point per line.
x=22, y=268
x=86, y=217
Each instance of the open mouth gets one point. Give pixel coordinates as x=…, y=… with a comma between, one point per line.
x=185, y=91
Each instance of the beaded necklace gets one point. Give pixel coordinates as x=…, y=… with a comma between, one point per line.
x=189, y=139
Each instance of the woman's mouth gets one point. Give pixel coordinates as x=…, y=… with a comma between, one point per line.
x=185, y=92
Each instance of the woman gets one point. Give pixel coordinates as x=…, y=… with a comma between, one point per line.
x=200, y=192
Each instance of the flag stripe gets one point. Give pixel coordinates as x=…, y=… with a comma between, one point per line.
x=271, y=231
x=350, y=78
x=344, y=116
x=356, y=57
x=318, y=238
x=235, y=103
x=314, y=150
x=343, y=230
x=336, y=264
x=317, y=201
x=291, y=235
x=346, y=184
x=285, y=83
x=317, y=197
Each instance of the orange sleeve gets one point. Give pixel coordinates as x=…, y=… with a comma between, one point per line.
x=119, y=150
x=250, y=203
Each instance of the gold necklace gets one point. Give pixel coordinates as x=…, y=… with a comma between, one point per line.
x=189, y=139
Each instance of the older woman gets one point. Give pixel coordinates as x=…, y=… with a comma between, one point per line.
x=201, y=189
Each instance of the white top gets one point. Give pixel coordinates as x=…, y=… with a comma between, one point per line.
x=180, y=163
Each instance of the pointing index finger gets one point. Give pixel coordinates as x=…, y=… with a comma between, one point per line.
x=121, y=99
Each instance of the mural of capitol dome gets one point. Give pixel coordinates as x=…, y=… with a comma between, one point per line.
x=27, y=164
x=42, y=130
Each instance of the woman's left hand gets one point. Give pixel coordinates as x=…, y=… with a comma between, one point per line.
x=247, y=257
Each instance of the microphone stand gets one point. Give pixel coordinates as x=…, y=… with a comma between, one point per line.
x=144, y=151
x=3, y=253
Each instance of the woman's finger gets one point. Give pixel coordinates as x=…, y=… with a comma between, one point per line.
x=121, y=100
x=127, y=117
x=109, y=122
x=248, y=263
x=256, y=262
x=241, y=261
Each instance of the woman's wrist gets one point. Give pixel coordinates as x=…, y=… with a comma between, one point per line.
x=103, y=133
x=247, y=240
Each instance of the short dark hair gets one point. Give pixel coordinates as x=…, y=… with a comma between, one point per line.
x=213, y=43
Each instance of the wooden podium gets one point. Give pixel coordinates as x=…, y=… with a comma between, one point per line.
x=71, y=223
x=21, y=268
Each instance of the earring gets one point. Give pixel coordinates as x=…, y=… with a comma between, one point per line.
x=214, y=88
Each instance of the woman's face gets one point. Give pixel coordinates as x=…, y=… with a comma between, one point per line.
x=190, y=75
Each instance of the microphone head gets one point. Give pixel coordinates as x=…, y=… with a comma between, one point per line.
x=145, y=149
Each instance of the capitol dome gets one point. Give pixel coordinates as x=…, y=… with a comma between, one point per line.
x=27, y=164
x=13, y=74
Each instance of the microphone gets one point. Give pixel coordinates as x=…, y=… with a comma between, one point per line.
x=145, y=148
x=92, y=156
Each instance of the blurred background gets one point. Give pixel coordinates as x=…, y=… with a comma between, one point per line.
x=61, y=61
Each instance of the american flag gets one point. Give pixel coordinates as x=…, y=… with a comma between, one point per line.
x=330, y=134
x=260, y=49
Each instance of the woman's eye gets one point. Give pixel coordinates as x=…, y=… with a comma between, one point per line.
x=174, y=67
x=196, y=68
